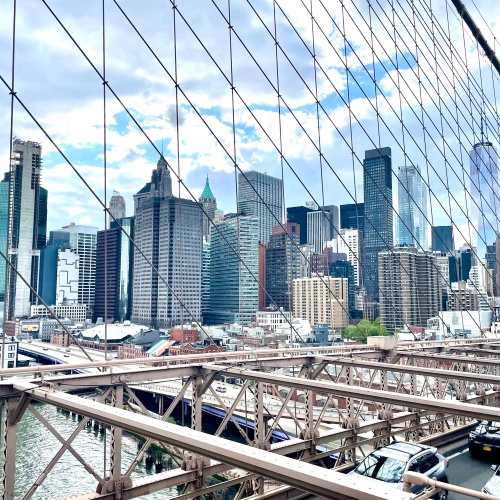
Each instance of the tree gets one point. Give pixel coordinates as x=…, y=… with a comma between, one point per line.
x=365, y=329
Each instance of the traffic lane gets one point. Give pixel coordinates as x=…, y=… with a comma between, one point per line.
x=468, y=472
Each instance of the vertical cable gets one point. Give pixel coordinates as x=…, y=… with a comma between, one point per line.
x=375, y=87
x=105, y=147
x=178, y=223
x=7, y=293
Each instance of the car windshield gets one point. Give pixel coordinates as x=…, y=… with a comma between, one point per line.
x=381, y=467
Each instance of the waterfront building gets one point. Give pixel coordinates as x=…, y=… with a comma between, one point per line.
x=234, y=291
x=412, y=208
x=260, y=195
x=169, y=233
x=272, y=318
x=282, y=258
x=298, y=215
x=442, y=239
x=117, y=208
x=83, y=240
x=378, y=235
x=484, y=195
x=4, y=208
x=209, y=204
x=409, y=287
x=352, y=216
x=26, y=228
x=115, y=263
x=75, y=312
x=321, y=299
x=350, y=243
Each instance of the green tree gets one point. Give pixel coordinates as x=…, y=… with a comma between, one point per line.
x=365, y=329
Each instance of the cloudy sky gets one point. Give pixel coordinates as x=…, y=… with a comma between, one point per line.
x=204, y=128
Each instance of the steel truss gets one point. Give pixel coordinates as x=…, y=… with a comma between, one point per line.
x=331, y=403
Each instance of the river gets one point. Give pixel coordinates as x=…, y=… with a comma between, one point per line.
x=36, y=446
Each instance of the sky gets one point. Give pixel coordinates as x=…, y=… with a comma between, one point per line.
x=205, y=128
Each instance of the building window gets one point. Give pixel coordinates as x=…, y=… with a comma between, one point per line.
x=11, y=355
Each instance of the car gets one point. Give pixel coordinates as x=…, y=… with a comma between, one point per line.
x=484, y=439
x=45, y=348
x=492, y=487
x=66, y=355
x=219, y=388
x=68, y=350
x=389, y=463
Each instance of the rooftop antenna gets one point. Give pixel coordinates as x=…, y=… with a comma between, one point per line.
x=162, y=139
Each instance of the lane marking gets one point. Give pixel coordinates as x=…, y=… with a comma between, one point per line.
x=457, y=453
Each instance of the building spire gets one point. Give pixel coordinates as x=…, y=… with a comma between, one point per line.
x=207, y=192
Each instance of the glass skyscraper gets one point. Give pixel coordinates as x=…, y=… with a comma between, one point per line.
x=412, y=208
x=261, y=196
x=484, y=193
x=377, y=179
x=299, y=216
x=352, y=216
x=234, y=291
x=442, y=239
x=4, y=206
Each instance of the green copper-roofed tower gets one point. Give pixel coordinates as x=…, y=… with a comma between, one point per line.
x=209, y=204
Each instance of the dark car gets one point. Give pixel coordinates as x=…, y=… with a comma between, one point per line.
x=484, y=440
x=389, y=463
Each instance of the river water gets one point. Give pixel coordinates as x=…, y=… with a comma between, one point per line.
x=36, y=446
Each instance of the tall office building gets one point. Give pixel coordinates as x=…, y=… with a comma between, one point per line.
x=205, y=279
x=344, y=269
x=282, y=265
x=260, y=195
x=298, y=215
x=234, y=291
x=115, y=261
x=409, y=287
x=322, y=226
x=169, y=232
x=352, y=216
x=67, y=277
x=412, y=208
x=4, y=208
x=83, y=240
x=350, y=243
x=28, y=209
x=378, y=236
x=209, y=204
x=442, y=239
x=491, y=266
x=117, y=207
x=484, y=195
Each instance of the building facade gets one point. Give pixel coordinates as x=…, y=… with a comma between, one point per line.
x=321, y=299
x=67, y=277
x=484, y=195
x=282, y=265
x=442, y=239
x=322, y=227
x=378, y=235
x=412, y=208
x=298, y=215
x=352, y=216
x=234, y=290
x=28, y=209
x=261, y=196
x=115, y=256
x=409, y=287
x=4, y=209
x=169, y=237
x=117, y=207
x=350, y=243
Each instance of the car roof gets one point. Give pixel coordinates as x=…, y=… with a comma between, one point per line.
x=411, y=448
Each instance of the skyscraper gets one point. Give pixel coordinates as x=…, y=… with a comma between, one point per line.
x=298, y=215
x=442, y=239
x=282, y=265
x=260, y=195
x=117, y=207
x=322, y=226
x=26, y=207
x=351, y=243
x=412, y=208
x=378, y=237
x=169, y=232
x=4, y=208
x=83, y=240
x=409, y=287
x=209, y=204
x=484, y=194
x=352, y=216
x=234, y=291
x=115, y=255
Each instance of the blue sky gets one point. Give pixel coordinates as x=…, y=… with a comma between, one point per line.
x=61, y=89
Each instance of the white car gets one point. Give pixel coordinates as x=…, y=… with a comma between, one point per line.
x=492, y=487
